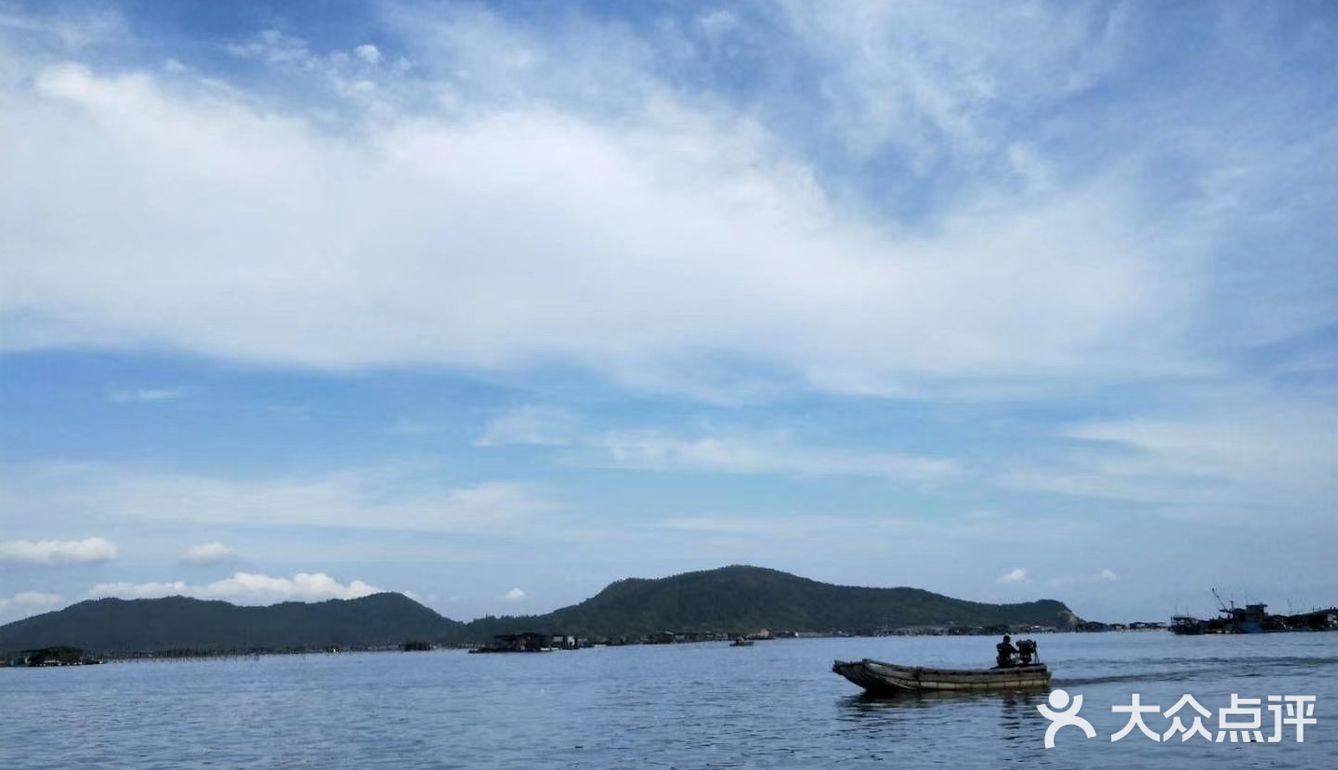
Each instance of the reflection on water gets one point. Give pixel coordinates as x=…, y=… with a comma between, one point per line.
x=688, y=706
x=889, y=718
x=863, y=704
x=1016, y=711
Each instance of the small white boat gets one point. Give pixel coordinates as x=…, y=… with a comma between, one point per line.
x=881, y=678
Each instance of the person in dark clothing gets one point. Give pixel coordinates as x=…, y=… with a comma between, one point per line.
x=1006, y=652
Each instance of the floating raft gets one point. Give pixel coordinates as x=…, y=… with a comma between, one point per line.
x=880, y=678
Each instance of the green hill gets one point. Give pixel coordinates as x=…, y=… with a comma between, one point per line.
x=730, y=599
x=741, y=598
x=119, y=625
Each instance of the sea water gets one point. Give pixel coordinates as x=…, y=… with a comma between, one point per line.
x=773, y=705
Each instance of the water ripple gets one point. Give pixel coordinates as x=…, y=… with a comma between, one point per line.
x=775, y=705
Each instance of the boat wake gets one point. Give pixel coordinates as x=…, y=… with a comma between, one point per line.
x=1197, y=668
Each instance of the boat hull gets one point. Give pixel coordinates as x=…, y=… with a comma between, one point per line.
x=882, y=678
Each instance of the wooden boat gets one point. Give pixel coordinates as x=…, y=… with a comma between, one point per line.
x=741, y=642
x=880, y=678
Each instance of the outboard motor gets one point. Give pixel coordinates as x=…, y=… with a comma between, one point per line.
x=1026, y=651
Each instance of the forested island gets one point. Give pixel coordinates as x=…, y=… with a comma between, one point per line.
x=708, y=604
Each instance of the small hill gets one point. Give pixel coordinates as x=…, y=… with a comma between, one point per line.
x=741, y=598
x=120, y=625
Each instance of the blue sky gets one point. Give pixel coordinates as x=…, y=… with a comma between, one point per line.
x=497, y=303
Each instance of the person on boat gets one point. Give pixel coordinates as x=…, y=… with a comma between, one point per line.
x=1006, y=652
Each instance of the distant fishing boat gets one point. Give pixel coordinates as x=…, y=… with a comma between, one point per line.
x=1253, y=619
x=879, y=678
x=741, y=642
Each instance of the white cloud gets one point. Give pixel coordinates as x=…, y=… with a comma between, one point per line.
x=528, y=425
x=718, y=24
x=144, y=395
x=30, y=600
x=1018, y=575
x=473, y=241
x=826, y=532
x=1226, y=463
x=85, y=27
x=245, y=588
x=27, y=603
x=751, y=454
x=394, y=498
x=737, y=453
x=86, y=551
x=936, y=80
x=741, y=453
x=209, y=553
x=274, y=46
x=1104, y=576
x=514, y=595
x=368, y=53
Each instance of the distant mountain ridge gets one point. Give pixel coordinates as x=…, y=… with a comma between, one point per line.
x=178, y=622
x=744, y=598
x=728, y=599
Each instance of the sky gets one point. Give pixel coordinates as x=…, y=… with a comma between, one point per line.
x=494, y=304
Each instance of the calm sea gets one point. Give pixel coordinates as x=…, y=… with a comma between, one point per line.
x=774, y=705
